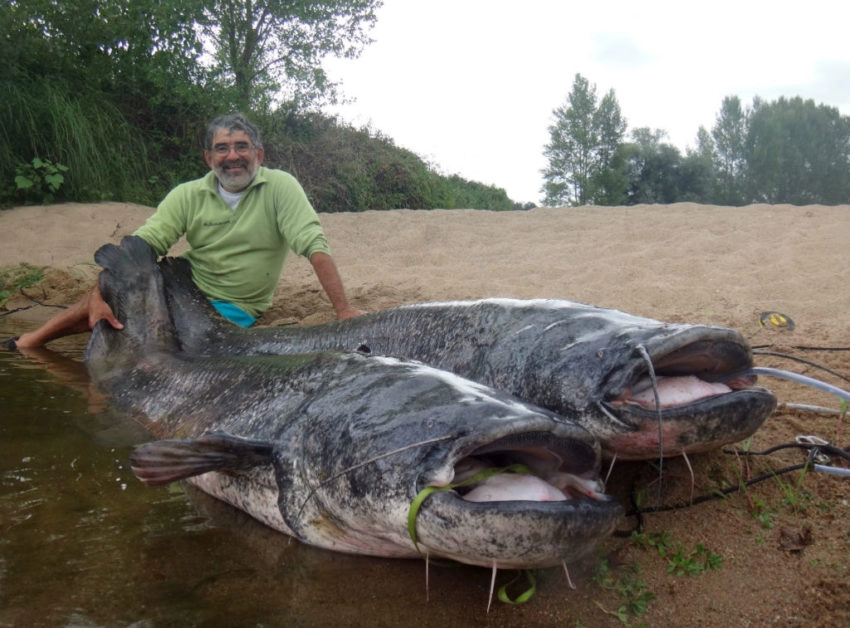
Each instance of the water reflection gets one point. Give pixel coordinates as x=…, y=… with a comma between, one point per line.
x=82, y=543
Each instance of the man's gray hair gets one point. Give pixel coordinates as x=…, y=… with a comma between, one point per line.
x=232, y=122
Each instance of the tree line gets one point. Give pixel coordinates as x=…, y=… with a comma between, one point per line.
x=786, y=151
x=109, y=99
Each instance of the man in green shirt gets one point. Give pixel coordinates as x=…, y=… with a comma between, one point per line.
x=241, y=221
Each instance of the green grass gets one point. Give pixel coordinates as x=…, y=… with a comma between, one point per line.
x=681, y=561
x=628, y=585
x=49, y=120
x=794, y=496
x=13, y=278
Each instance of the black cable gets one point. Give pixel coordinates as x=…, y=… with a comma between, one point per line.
x=827, y=449
x=807, y=348
x=803, y=361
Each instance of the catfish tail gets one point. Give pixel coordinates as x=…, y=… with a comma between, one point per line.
x=131, y=284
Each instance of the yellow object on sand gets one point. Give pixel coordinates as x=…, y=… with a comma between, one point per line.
x=776, y=320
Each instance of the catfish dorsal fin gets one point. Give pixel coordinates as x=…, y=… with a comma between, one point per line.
x=165, y=461
x=194, y=318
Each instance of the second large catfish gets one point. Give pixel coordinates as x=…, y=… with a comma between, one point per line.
x=591, y=364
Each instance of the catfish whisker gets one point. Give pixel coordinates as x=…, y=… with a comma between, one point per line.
x=610, y=468
x=651, y=369
x=394, y=452
x=427, y=577
x=691, y=469
x=492, y=586
x=567, y=574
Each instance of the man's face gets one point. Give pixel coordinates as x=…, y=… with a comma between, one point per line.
x=234, y=159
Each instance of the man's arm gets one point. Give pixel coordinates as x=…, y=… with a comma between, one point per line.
x=78, y=318
x=325, y=269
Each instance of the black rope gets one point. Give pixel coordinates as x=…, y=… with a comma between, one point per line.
x=17, y=309
x=806, y=348
x=813, y=450
x=829, y=450
x=27, y=307
x=803, y=361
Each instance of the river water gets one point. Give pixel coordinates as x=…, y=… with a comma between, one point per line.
x=83, y=543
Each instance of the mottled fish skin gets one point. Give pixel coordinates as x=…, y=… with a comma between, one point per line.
x=353, y=438
x=571, y=358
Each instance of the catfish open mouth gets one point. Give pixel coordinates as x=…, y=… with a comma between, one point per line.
x=707, y=399
x=524, y=500
x=534, y=466
x=701, y=369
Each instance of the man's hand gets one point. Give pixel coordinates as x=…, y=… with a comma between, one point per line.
x=78, y=318
x=349, y=312
x=98, y=309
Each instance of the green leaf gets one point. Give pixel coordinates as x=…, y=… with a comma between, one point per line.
x=54, y=181
x=23, y=182
x=426, y=492
x=523, y=597
x=415, y=505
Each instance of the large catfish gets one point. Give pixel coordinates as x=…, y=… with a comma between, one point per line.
x=593, y=365
x=334, y=447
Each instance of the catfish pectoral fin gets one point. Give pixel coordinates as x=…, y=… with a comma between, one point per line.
x=165, y=461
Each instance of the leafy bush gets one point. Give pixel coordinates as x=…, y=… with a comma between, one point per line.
x=40, y=180
x=81, y=130
x=348, y=169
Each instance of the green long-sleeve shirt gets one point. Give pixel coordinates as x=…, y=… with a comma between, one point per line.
x=238, y=255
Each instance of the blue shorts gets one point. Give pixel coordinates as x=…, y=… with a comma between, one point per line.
x=233, y=313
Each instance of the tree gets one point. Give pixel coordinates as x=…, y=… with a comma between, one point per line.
x=272, y=49
x=110, y=44
x=729, y=134
x=653, y=168
x=798, y=152
x=570, y=149
x=609, y=181
x=582, y=148
x=698, y=180
x=96, y=82
x=112, y=96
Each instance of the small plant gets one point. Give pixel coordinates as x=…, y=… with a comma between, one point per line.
x=628, y=586
x=13, y=278
x=658, y=540
x=684, y=563
x=40, y=179
x=761, y=512
x=680, y=561
x=794, y=495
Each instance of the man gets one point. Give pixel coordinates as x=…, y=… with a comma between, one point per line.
x=240, y=220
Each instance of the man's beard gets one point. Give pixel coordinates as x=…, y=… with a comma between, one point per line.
x=236, y=180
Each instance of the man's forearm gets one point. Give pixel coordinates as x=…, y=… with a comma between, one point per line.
x=326, y=271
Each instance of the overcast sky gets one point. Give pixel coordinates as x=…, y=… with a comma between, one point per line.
x=470, y=85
